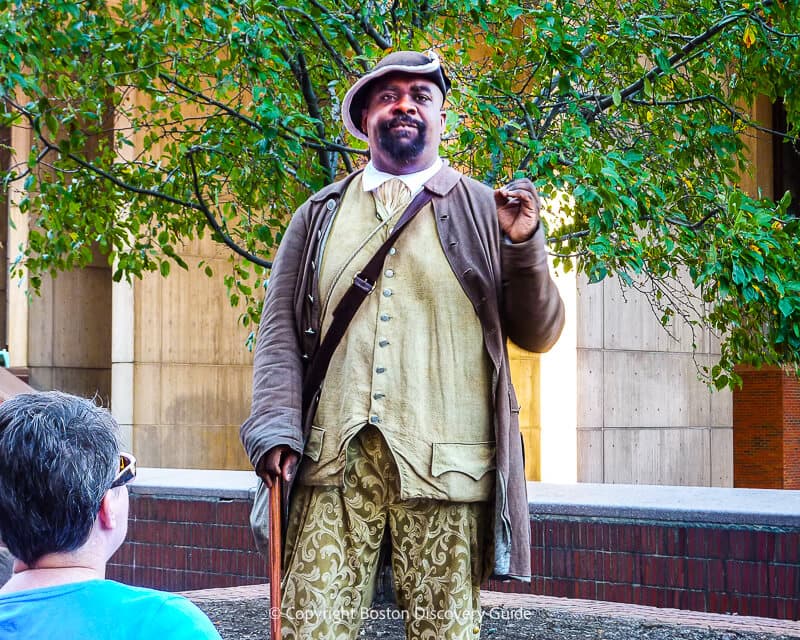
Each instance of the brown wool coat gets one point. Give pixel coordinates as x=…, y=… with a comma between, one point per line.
x=509, y=286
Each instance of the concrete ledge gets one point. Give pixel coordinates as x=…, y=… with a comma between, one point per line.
x=198, y=483
x=706, y=505
x=712, y=505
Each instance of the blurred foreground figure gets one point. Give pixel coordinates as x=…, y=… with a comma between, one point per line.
x=63, y=513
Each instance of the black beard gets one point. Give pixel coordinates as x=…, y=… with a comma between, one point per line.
x=402, y=148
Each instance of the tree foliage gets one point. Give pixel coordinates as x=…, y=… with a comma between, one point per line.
x=157, y=121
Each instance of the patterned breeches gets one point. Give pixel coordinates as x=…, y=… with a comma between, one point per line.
x=334, y=540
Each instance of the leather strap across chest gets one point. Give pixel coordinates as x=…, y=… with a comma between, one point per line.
x=363, y=285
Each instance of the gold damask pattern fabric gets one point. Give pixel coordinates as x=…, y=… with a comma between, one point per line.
x=333, y=543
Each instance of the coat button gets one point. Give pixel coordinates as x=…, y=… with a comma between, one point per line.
x=330, y=204
x=387, y=293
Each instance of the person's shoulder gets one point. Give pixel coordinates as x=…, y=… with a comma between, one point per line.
x=163, y=612
x=449, y=180
x=179, y=613
x=476, y=186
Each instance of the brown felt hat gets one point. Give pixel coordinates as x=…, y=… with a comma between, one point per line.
x=426, y=65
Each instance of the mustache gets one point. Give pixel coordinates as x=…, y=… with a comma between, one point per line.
x=403, y=120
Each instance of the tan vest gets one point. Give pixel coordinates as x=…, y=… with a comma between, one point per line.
x=412, y=362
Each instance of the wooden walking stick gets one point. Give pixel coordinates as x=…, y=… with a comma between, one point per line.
x=275, y=558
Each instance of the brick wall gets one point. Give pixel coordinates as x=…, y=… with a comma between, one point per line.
x=766, y=429
x=746, y=571
x=183, y=543
x=791, y=431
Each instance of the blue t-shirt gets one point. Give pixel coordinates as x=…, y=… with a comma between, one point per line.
x=101, y=610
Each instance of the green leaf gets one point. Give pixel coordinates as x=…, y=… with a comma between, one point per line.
x=514, y=11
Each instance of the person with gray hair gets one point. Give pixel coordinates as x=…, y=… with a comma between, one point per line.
x=63, y=513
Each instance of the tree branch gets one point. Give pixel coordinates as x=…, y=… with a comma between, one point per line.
x=212, y=221
x=712, y=98
x=97, y=170
x=382, y=41
x=348, y=33
x=605, y=102
x=772, y=30
x=199, y=206
x=325, y=43
x=12, y=178
x=569, y=236
x=210, y=101
x=297, y=63
x=318, y=144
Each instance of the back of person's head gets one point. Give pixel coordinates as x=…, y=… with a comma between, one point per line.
x=58, y=457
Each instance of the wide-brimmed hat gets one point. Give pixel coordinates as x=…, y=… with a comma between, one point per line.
x=426, y=65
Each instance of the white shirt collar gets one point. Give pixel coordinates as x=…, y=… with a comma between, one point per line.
x=372, y=178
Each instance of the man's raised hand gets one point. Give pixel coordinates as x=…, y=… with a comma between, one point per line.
x=518, y=206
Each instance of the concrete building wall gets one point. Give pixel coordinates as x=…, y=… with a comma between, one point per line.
x=643, y=415
x=186, y=387
x=69, y=334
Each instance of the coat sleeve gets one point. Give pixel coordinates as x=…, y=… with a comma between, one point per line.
x=276, y=414
x=533, y=312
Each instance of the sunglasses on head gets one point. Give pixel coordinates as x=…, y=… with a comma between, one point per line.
x=127, y=470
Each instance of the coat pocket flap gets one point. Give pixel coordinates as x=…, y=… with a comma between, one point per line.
x=313, y=448
x=474, y=459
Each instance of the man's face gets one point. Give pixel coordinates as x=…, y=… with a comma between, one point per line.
x=403, y=120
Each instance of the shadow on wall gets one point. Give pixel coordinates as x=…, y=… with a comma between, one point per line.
x=6, y=562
